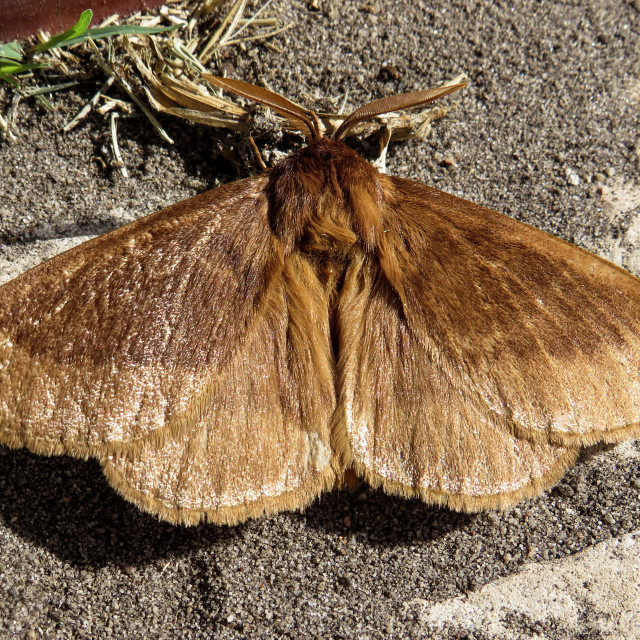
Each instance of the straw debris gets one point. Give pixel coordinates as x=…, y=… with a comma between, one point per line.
x=159, y=57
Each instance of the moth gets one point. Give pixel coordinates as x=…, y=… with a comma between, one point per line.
x=237, y=353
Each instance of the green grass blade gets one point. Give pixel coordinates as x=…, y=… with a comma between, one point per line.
x=119, y=30
x=12, y=81
x=16, y=67
x=78, y=29
x=36, y=91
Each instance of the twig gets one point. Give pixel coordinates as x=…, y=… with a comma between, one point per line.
x=88, y=106
x=254, y=146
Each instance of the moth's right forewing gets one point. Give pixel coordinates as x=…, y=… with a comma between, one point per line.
x=540, y=331
x=118, y=338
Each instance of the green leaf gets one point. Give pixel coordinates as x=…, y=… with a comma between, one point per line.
x=78, y=29
x=16, y=67
x=11, y=50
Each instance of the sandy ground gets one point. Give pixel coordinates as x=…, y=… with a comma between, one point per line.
x=547, y=132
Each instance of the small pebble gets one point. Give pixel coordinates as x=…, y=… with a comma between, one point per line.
x=572, y=177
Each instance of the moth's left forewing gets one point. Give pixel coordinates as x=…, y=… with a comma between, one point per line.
x=119, y=338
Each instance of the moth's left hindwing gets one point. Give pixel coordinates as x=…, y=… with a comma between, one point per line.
x=263, y=443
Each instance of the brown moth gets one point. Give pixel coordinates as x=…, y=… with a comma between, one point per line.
x=236, y=353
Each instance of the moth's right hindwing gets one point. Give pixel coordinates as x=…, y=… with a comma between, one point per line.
x=490, y=350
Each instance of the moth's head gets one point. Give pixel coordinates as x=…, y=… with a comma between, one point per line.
x=308, y=123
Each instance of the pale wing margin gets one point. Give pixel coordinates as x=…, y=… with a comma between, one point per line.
x=117, y=338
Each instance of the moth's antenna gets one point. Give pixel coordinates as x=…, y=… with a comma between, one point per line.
x=394, y=103
x=299, y=117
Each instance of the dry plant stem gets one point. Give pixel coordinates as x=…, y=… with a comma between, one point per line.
x=112, y=19
x=244, y=23
x=124, y=107
x=209, y=5
x=183, y=53
x=461, y=78
x=385, y=138
x=184, y=93
x=262, y=36
x=235, y=39
x=257, y=153
x=125, y=85
x=116, y=148
x=234, y=14
x=343, y=106
x=6, y=129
